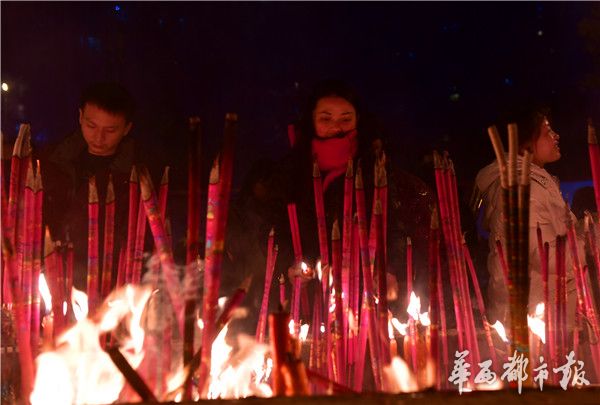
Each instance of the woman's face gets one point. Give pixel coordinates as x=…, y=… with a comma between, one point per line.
x=333, y=116
x=545, y=149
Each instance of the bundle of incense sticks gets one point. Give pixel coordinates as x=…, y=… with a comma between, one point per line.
x=163, y=248
x=12, y=222
x=515, y=201
x=451, y=251
x=368, y=320
x=585, y=305
x=22, y=328
x=380, y=270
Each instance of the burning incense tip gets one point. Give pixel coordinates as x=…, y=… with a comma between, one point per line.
x=145, y=183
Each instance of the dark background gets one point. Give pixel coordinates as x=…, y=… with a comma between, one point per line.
x=434, y=74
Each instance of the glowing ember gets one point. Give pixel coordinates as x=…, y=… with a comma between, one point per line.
x=536, y=322
x=322, y=328
x=501, y=331
x=291, y=327
x=221, y=302
x=200, y=323
x=399, y=377
x=390, y=330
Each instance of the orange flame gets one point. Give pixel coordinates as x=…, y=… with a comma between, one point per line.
x=399, y=377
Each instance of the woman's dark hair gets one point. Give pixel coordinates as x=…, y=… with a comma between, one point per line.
x=529, y=123
x=111, y=97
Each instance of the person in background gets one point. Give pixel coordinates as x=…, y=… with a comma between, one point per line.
x=547, y=209
x=101, y=146
x=333, y=128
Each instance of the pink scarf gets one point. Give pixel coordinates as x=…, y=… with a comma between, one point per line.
x=332, y=154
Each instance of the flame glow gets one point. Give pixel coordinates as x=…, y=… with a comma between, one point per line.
x=500, y=330
x=399, y=377
x=304, y=332
x=241, y=374
x=319, y=270
x=390, y=330
x=79, y=371
x=45, y=292
x=424, y=319
x=536, y=322
x=414, y=306
x=79, y=303
x=400, y=327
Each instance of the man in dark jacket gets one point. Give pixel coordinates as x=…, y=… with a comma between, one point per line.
x=100, y=147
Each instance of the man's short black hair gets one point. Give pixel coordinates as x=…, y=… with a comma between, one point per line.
x=111, y=97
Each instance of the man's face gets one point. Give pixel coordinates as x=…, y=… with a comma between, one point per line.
x=102, y=130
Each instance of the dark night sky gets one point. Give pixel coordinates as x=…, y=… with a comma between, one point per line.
x=434, y=74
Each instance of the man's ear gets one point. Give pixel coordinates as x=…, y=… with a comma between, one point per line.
x=128, y=127
x=80, y=116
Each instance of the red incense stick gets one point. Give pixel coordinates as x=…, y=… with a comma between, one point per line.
x=216, y=221
x=412, y=334
x=338, y=335
x=295, y=229
x=138, y=246
x=164, y=250
x=109, y=238
x=261, y=326
x=194, y=190
x=347, y=251
x=27, y=223
x=93, y=281
x=131, y=223
x=322, y=233
x=37, y=259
